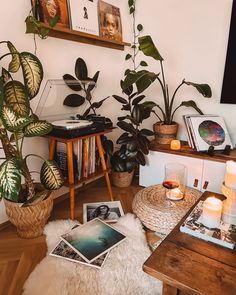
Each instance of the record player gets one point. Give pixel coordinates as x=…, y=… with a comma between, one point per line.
x=63, y=118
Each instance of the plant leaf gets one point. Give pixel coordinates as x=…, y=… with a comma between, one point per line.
x=16, y=98
x=140, y=158
x=128, y=56
x=54, y=20
x=97, y=104
x=126, y=127
x=94, y=79
x=143, y=63
x=72, y=83
x=136, y=113
x=73, y=100
x=204, y=89
x=39, y=128
x=139, y=27
x=147, y=46
x=138, y=99
x=32, y=73
x=15, y=62
x=81, y=71
x=126, y=90
x=146, y=132
x=5, y=75
x=11, y=121
x=51, y=176
x=192, y=104
x=120, y=99
x=10, y=180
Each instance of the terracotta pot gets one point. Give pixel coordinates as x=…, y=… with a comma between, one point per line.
x=122, y=179
x=29, y=221
x=165, y=133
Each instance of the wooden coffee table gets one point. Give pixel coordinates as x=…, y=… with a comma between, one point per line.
x=188, y=265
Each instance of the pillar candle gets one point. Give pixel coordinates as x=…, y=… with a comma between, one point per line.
x=230, y=175
x=175, y=144
x=211, y=213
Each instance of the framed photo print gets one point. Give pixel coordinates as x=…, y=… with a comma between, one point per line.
x=84, y=16
x=107, y=211
x=48, y=9
x=110, y=21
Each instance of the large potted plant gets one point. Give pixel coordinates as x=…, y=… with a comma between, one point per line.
x=28, y=205
x=134, y=142
x=166, y=128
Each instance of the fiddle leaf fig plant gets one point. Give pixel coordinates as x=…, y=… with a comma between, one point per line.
x=143, y=79
x=18, y=121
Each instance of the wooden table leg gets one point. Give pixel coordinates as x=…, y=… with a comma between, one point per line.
x=71, y=178
x=52, y=148
x=104, y=166
x=169, y=290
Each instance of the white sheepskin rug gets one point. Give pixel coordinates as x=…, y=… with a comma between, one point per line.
x=121, y=273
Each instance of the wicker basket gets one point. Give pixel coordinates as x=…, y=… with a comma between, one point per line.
x=122, y=179
x=29, y=221
x=165, y=133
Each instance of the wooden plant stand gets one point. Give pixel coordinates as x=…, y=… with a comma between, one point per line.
x=69, y=151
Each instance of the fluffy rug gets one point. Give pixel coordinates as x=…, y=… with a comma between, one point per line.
x=121, y=273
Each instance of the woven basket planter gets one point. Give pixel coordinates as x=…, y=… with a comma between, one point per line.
x=29, y=221
x=122, y=179
x=165, y=133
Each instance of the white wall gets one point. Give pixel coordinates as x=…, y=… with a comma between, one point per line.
x=191, y=35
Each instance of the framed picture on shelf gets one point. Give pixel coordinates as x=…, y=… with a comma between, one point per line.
x=110, y=21
x=107, y=211
x=84, y=16
x=44, y=10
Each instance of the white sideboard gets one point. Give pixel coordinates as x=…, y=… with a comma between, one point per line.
x=203, y=172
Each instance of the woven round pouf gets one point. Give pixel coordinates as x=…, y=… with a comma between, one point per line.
x=158, y=213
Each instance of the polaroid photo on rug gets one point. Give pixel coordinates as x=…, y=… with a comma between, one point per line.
x=110, y=21
x=210, y=131
x=84, y=16
x=93, y=239
x=107, y=211
x=45, y=10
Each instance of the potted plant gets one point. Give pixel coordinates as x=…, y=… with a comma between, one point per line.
x=134, y=142
x=166, y=128
x=28, y=205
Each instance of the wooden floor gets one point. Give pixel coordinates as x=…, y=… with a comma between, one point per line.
x=18, y=257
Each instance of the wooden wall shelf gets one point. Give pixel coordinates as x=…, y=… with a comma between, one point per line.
x=68, y=34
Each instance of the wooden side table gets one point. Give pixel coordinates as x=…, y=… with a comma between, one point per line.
x=69, y=150
x=193, y=266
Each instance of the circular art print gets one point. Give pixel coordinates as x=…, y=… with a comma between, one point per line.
x=211, y=132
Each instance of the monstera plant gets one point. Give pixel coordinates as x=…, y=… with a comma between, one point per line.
x=17, y=121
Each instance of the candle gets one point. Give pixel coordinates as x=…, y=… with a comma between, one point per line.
x=211, y=213
x=174, y=194
x=230, y=175
x=175, y=144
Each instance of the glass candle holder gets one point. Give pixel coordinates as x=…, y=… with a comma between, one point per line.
x=175, y=181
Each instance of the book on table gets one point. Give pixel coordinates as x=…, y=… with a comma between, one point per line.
x=224, y=235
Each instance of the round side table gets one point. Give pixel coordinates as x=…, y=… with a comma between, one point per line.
x=158, y=213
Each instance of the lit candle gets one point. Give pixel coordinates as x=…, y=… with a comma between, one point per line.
x=230, y=175
x=174, y=194
x=175, y=144
x=211, y=213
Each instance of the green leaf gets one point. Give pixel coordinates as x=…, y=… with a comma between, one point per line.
x=147, y=46
x=136, y=113
x=120, y=99
x=5, y=75
x=1, y=92
x=39, y=128
x=126, y=127
x=10, y=180
x=138, y=99
x=51, y=176
x=140, y=158
x=128, y=56
x=124, y=138
x=11, y=121
x=72, y=83
x=127, y=90
x=146, y=132
x=192, y=104
x=32, y=73
x=204, y=89
x=131, y=3
x=139, y=27
x=38, y=197
x=128, y=117
x=81, y=71
x=16, y=136
x=15, y=62
x=73, y=100
x=16, y=98
x=98, y=104
x=54, y=20
x=94, y=79
x=143, y=63
x=43, y=32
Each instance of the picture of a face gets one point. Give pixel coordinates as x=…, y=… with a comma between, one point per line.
x=51, y=8
x=111, y=24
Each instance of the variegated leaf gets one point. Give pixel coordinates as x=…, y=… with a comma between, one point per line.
x=51, y=176
x=38, y=197
x=16, y=98
x=16, y=136
x=32, y=72
x=38, y=128
x=11, y=121
x=10, y=180
x=1, y=93
x=15, y=62
x=5, y=75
